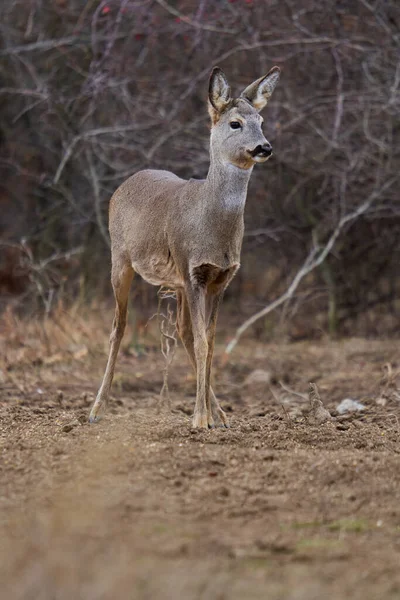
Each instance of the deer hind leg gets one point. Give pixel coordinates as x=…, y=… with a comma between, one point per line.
x=121, y=279
x=185, y=330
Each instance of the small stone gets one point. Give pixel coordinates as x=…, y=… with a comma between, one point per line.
x=70, y=426
x=349, y=405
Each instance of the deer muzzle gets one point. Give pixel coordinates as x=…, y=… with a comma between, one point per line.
x=262, y=151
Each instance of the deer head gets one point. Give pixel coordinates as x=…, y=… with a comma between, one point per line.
x=236, y=133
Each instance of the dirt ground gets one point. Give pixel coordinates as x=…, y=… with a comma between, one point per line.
x=140, y=506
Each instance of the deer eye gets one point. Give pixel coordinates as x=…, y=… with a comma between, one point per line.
x=235, y=125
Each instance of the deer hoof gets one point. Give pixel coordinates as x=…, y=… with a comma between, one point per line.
x=95, y=415
x=223, y=420
x=94, y=419
x=200, y=422
x=98, y=410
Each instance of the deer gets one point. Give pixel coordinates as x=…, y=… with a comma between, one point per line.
x=187, y=235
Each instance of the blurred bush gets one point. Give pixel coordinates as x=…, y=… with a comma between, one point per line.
x=92, y=91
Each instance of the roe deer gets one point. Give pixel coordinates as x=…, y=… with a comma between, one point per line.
x=187, y=235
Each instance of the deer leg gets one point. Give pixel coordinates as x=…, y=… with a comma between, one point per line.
x=211, y=328
x=121, y=278
x=196, y=300
x=184, y=326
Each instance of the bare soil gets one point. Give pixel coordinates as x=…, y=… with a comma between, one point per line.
x=140, y=506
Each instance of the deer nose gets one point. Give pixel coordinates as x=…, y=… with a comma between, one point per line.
x=262, y=150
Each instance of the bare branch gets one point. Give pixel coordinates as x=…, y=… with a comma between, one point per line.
x=97, y=199
x=313, y=260
x=189, y=21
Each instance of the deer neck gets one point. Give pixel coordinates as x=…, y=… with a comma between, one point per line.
x=226, y=186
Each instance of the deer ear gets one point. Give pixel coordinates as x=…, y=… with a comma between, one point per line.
x=260, y=91
x=219, y=93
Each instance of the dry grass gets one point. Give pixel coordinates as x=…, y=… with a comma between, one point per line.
x=67, y=334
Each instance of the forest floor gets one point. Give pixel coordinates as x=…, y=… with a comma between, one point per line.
x=140, y=506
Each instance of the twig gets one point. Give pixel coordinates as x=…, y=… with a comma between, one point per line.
x=44, y=45
x=189, y=21
x=88, y=134
x=287, y=389
x=97, y=199
x=288, y=418
x=340, y=96
x=168, y=342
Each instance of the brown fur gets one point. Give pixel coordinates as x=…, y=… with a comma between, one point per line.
x=188, y=235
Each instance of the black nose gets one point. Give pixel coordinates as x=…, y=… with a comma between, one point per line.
x=262, y=150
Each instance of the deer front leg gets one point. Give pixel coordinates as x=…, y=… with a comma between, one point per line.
x=196, y=300
x=215, y=301
x=185, y=330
